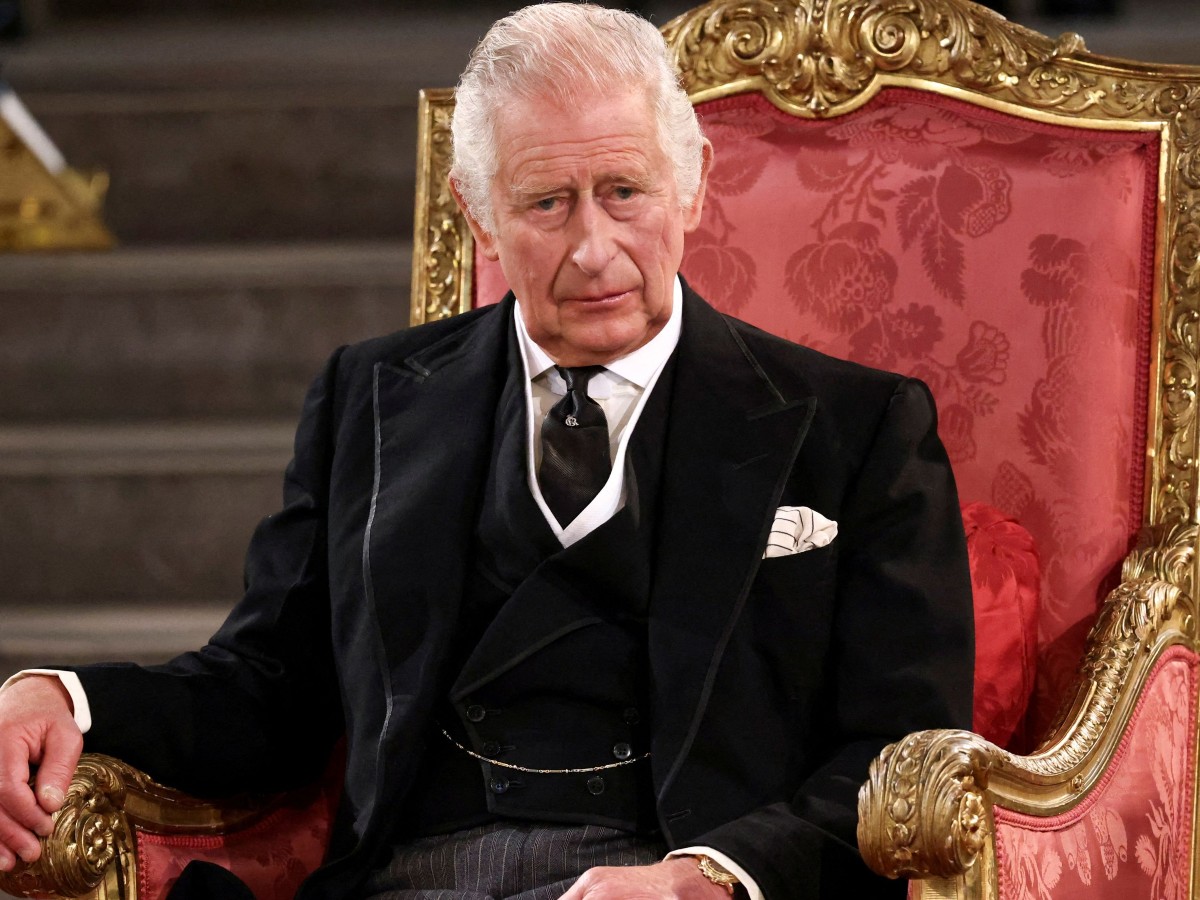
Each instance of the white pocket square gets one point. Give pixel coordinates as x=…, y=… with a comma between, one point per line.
x=796, y=529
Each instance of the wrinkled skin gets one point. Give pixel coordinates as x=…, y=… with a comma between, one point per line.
x=37, y=729
x=588, y=228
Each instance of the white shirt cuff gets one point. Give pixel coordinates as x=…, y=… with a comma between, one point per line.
x=82, y=711
x=720, y=858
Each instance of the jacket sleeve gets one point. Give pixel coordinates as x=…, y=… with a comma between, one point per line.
x=901, y=659
x=257, y=708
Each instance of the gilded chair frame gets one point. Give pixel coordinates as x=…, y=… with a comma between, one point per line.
x=926, y=810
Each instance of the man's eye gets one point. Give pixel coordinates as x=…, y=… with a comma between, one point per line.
x=547, y=203
x=624, y=192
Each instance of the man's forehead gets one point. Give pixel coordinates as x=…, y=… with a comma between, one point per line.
x=635, y=157
x=618, y=133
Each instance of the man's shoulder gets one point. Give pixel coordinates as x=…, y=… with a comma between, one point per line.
x=397, y=348
x=787, y=356
x=839, y=383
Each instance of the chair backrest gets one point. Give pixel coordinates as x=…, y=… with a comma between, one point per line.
x=937, y=191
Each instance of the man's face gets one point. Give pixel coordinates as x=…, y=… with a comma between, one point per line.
x=588, y=226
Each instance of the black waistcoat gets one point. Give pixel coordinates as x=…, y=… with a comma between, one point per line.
x=550, y=669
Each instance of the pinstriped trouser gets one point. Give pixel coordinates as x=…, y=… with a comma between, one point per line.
x=506, y=861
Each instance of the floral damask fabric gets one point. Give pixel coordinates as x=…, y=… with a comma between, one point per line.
x=1006, y=263
x=1132, y=835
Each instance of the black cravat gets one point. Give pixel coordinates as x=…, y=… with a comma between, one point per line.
x=575, y=463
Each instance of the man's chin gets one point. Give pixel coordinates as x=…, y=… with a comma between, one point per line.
x=591, y=349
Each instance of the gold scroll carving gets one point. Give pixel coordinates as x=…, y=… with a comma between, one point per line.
x=43, y=211
x=443, y=249
x=91, y=850
x=925, y=809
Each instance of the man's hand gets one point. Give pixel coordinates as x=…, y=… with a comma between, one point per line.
x=37, y=727
x=677, y=878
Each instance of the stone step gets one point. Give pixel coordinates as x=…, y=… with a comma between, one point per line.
x=50, y=634
x=303, y=127
x=66, y=10
x=217, y=128
x=229, y=130
x=143, y=334
x=156, y=513
x=262, y=164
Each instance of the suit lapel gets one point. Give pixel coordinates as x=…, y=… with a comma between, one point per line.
x=732, y=440
x=430, y=459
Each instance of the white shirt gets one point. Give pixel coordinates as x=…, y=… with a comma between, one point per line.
x=622, y=390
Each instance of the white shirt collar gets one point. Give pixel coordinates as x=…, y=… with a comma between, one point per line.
x=638, y=367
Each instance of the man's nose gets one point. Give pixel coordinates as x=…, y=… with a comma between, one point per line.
x=593, y=241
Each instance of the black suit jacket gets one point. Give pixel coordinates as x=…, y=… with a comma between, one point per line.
x=773, y=682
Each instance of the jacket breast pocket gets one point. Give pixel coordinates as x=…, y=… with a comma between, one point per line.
x=808, y=577
x=789, y=616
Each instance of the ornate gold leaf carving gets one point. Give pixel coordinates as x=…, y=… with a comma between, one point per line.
x=442, y=244
x=94, y=830
x=924, y=810
x=1165, y=553
x=90, y=831
x=44, y=211
x=814, y=56
x=1131, y=622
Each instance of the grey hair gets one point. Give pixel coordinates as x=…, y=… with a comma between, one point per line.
x=563, y=52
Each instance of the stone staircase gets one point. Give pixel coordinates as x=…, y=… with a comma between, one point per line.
x=261, y=156
x=262, y=164
x=262, y=176
x=150, y=396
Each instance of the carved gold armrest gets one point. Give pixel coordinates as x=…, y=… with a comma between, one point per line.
x=926, y=809
x=92, y=850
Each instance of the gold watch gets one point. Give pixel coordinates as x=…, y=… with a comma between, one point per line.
x=716, y=873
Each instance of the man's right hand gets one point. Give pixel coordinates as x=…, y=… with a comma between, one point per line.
x=37, y=728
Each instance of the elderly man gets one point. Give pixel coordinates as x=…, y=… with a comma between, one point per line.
x=596, y=582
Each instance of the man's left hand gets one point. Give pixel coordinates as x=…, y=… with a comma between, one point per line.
x=677, y=878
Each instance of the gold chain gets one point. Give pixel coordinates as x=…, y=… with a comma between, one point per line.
x=516, y=768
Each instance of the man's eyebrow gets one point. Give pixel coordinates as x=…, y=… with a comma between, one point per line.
x=532, y=190
x=641, y=181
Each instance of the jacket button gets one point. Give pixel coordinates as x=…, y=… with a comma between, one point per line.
x=498, y=784
x=476, y=713
x=595, y=785
x=491, y=748
x=631, y=716
x=622, y=751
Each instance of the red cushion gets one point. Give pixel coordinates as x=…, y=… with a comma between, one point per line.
x=1005, y=575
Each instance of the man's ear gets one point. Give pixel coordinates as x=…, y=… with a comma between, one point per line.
x=691, y=215
x=483, y=238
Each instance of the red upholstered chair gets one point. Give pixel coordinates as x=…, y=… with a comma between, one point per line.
x=928, y=188
x=923, y=187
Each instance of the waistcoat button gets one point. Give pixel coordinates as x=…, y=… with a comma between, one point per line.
x=498, y=784
x=631, y=716
x=622, y=751
x=491, y=748
x=595, y=785
x=476, y=713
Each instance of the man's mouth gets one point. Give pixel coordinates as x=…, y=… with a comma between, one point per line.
x=602, y=298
